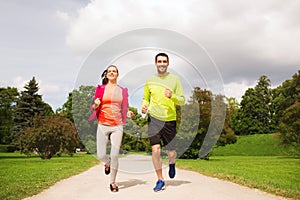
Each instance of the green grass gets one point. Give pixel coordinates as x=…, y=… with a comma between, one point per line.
x=276, y=175
x=256, y=161
x=23, y=176
x=256, y=145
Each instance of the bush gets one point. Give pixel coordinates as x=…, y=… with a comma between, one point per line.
x=11, y=148
x=49, y=136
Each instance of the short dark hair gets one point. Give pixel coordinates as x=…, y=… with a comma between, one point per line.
x=161, y=54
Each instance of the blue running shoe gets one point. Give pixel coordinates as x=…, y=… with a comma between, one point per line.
x=160, y=185
x=172, y=171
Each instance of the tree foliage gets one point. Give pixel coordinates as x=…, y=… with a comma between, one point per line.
x=82, y=98
x=135, y=136
x=49, y=136
x=287, y=107
x=255, y=113
x=8, y=99
x=66, y=109
x=202, y=120
x=290, y=125
x=29, y=105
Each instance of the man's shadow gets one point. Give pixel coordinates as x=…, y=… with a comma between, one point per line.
x=176, y=182
x=134, y=182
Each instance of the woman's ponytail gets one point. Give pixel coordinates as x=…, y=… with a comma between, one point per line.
x=104, y=78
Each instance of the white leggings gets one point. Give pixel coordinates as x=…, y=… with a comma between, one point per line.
x=114, y=134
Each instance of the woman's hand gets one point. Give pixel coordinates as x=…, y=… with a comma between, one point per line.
x=97, y=103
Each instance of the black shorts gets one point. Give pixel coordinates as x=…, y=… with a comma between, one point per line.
x=162, y=131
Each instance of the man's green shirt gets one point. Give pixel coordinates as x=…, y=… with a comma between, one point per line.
x=159, y=106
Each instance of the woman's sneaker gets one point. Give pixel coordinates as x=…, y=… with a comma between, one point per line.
x=172, y=171
x=160, y=185
x=106, y=169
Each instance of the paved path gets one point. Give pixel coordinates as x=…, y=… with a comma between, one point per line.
x=136, y=179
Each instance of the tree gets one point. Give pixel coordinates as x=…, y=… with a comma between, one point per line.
x=49, y=136
x=29, y=105
x=81, y=101
x=290, y=126
x=8, y=99
x=135, y=133
x=285, y=96
x=287, y=106
x=255, y=113
x=66, y=109
x=228, y=136
x=196, y=115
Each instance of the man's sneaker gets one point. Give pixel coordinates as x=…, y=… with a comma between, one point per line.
x=172, y=171
x=160, y=185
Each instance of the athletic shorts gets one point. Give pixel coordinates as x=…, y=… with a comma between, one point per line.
x=161, y=131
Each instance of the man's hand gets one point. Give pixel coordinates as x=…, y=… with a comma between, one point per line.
x=144, y=109
x=168, y=93
x=130, y=114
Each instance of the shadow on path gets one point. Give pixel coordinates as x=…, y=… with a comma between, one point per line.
x=176, y=182
x=131, y=183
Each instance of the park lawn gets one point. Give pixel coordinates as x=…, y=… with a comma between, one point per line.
x=23, y=176
x=256, y=145
x=274, y=174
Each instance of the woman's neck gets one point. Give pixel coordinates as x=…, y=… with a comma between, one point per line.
x=112, y=83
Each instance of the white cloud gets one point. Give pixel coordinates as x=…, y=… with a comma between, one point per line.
x=237, y=89
x=257, y=35
x=63, y=16
x=245, y=39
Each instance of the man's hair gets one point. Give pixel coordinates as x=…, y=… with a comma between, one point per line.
x=162, y=54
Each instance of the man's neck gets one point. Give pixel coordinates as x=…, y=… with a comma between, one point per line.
x=163, y=74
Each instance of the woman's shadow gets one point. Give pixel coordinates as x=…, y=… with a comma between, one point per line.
x=130, y=183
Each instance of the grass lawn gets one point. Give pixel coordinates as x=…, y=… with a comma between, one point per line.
x=256, y=145
x=276, y=175
x=23, y=176
x=254, y=161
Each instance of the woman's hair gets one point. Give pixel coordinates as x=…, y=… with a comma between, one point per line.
x=103, y=76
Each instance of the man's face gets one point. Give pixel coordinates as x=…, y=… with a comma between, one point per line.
x=162, y=64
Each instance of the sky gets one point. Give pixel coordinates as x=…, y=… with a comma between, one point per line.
x=211, y=43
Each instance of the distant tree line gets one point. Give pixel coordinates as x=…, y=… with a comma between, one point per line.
x=30, y=125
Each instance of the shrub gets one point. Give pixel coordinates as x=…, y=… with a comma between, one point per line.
x=48, y=136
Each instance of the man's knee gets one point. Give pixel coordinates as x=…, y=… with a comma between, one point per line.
x=156, y=148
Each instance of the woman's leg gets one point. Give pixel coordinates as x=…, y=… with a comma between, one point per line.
x=116, y=139
x=102, y=139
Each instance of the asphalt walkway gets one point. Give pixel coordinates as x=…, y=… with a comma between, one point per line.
x=136, y=178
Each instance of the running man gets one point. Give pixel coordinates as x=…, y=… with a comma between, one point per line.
x=162, y=92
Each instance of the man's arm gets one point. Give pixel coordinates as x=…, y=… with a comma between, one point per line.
x=178, y=95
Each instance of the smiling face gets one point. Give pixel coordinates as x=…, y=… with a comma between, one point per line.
x=112, y=74
x=162, y=64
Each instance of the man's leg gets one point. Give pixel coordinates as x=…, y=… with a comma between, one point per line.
x=157, y=162
x=172, y=156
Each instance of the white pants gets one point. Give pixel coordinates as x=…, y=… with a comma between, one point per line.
x=114, y=134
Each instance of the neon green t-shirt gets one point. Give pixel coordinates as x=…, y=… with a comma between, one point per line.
x=159, y=106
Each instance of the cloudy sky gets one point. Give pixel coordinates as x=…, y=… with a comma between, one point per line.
x=55, y=40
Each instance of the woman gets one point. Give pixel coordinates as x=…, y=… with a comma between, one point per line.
x=110, y=107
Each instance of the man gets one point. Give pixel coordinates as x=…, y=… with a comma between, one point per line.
x=162, y=92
